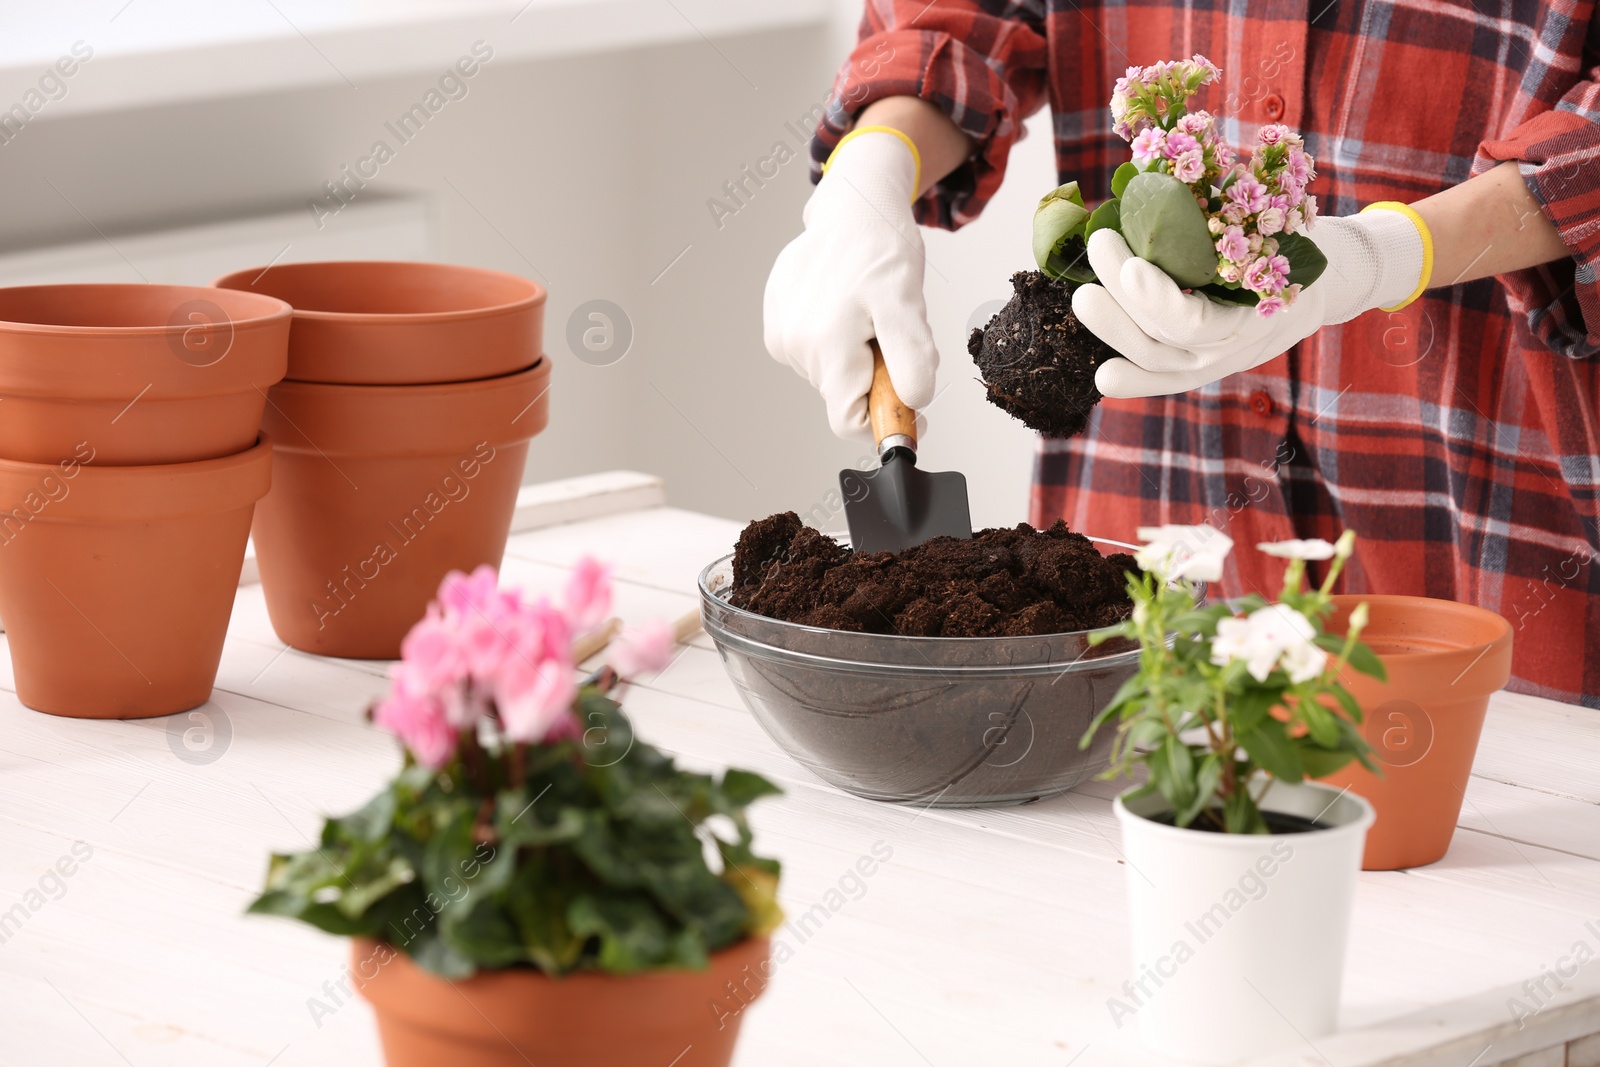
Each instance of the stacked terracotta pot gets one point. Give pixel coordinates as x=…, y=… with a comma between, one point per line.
x=131, y=461
x=400, y=435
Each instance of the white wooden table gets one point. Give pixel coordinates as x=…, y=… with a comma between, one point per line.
x=988, y=937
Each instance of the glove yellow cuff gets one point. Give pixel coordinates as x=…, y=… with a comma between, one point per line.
x=916, y=156
x=1427, y=245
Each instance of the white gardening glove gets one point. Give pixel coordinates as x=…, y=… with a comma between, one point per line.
x=1176, y=341
x=855, y=274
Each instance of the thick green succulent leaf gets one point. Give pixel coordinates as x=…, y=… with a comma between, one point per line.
x=1108, y=216
x=1058, y=223
x=1162, y=223
x=1122, y=176
x=1306, y=261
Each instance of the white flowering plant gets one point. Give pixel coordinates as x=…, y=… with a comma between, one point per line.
x=1234, y=230
x=1232, y=696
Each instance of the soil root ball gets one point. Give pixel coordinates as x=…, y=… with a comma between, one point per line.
x=1037, y=359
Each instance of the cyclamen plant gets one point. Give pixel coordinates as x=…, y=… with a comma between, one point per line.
x=1230, y=697
x=1230, y=229
x=528, y=826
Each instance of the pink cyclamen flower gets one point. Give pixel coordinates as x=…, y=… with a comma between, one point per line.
x=1232, y=245
x=1149, y=144
x=588, y=595
x=466, y=594
x=419, y=722
x=1190, y=166
x=534, y=697
x=642, y=650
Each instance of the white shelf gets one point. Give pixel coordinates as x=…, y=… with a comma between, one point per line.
x=148, y=52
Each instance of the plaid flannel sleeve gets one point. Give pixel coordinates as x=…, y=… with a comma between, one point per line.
x=1558, y=152
x=983, y=62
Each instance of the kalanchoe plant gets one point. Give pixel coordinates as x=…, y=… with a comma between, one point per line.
x=1230, y=697
x=529, y=826
x=1232, y=230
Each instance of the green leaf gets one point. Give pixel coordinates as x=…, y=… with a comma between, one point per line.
x=1108, y=216
x=1162, y=223
x=1122, y=176
x=537, y=903
x=743, y=788
x=1207, y=778
x=1270, y=748
x=1172, y=770
x=1363, y=659
x=633, y=934
x=1240, y=814
x=1306, y=261
x=371, y=823
x=1224, y=294
x=1058, y=224
x=1321, y=762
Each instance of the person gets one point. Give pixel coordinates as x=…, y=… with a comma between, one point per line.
x=1435, y=391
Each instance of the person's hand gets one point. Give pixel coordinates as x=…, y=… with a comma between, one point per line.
x=855, y=274
x=1175, y=341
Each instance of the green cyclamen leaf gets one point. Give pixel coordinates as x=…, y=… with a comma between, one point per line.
x=1162, y=223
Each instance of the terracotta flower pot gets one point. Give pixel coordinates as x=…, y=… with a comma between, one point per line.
x=378, y=491
x=393, y=323
x=135, y=374
x=117, y=582
x=1444, y=661
x=516, y=1017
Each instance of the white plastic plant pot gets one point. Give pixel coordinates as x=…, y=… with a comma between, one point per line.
x=1239, y=939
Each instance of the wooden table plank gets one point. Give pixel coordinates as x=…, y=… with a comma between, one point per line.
x=992, y=936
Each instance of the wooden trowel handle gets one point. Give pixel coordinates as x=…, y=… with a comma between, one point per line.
x=889, y=417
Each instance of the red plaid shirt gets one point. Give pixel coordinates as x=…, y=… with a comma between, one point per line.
x=1460, y=438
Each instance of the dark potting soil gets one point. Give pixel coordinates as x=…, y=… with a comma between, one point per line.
x=1278, y=822
x=1037, y=359
x=1001, y=583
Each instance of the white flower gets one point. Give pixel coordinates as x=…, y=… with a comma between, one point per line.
x=1194, y=552
x=1268, y=638
x=1315, y=548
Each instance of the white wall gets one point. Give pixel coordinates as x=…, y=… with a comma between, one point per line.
x=592, y=173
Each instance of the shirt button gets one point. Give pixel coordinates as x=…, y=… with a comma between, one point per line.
x=1274, y=106
x=1260, y=402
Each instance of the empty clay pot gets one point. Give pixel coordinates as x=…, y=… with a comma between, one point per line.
x=135, y=374
x=1444, y=662
x=395, y=323
x=515, y=1017
x=117, y=583
x=378, y=491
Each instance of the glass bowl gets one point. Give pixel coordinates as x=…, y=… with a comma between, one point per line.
x=937, y=721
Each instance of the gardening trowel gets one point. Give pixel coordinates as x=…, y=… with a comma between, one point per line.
x=898, y=506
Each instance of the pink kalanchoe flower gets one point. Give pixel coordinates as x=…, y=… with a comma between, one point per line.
x=1248, y=193
x=1212, y=71
x=1308, y=210
x=1271, y=221
x=1266, y=274
x=642, y=650
x=1272, y=134
x=420, y=724
x=1178, y=143
x=1233, y=245
x=1149, y=144
x=1190, y=166
x=1269, y=306
x=588, y=594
